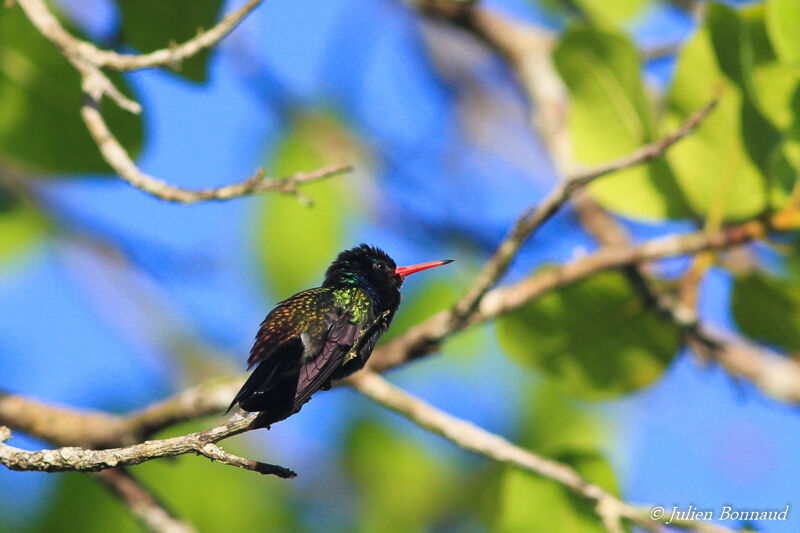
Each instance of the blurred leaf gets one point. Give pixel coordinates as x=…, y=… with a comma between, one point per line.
x=21, y=225
x=544, y=429
x=403, y=488
x=731, y=44
x=783, y=25
x=768, y=309
x=611, y=10
x=777, y=85
x=740, y=42
x=296, y=243
x=216, y=497
x=149, y=25
x=555, y=428
x=531, y=503
x=429, y=295
x=40, y=98
x=600, y=10
x=735, y=140
x=593, y=340
x=610, y=116
x=86, y=506
x=748, y=138
x=424, y=301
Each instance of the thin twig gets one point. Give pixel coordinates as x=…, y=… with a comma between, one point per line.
x=425, y=337
x=476, y=439
x=87, y=60
x=74, y=459
x=527, y=51
x=50, y=27
x=151, y=513
x=116, y=156
x=534, y=217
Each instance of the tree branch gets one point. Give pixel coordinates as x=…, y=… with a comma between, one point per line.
x=69, y=427
x=527, y=50
x=88, y=60
x=426, y=337
x=468, y=436
x=151, y=513
x=75, y=459
x=535, y=217
x=116, y=156
x=49, y=26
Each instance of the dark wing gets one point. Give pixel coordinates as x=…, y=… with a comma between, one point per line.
x=317, y=371
x=288, y=321
x=271, y=386
x=278, y=347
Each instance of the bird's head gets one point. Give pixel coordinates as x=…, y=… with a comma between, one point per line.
x=372, y=266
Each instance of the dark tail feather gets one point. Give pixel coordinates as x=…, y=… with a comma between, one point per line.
x=259, y=382
x=275, y=404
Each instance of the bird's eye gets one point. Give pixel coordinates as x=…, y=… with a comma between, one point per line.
x=379, y=265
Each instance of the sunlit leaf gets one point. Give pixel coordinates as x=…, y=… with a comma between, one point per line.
x=600, y=10
x=732, y=166
x=295, y=242
x=403, y=488
x=783, y=25
x=420, y=303
x=528, y=502
x=612, y=10
x=768, y=309
x=778, y=87
x=40, y=98
x=610, y=116
x=149, y=25
x=544, y=429
x=86, y=506
x=594, y=340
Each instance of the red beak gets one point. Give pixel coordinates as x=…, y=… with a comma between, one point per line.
x=405, y=271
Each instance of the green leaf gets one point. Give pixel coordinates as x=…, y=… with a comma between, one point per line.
x=403, y=489
x=544, y=429
x=610, y=116
x=295, y=242
x=427, y=296
x=530, y=503
x=731, y=45
x=783, y=25
x=22, y=226
x=593, y=340
x=767, y=308
x=777, y=85
x=421, y=303
x=748, y=139
x=527, y=502
x=611, y=10
x=86, y=506
x=40, y=97
x=606, y=11
x=149, y=25
x=730, y=168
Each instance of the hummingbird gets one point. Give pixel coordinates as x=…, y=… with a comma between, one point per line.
x=323, y=334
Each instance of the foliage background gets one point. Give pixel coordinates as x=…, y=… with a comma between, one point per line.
x=110, y=299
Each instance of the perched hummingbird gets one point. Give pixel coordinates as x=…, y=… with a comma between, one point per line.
x=303, y=343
